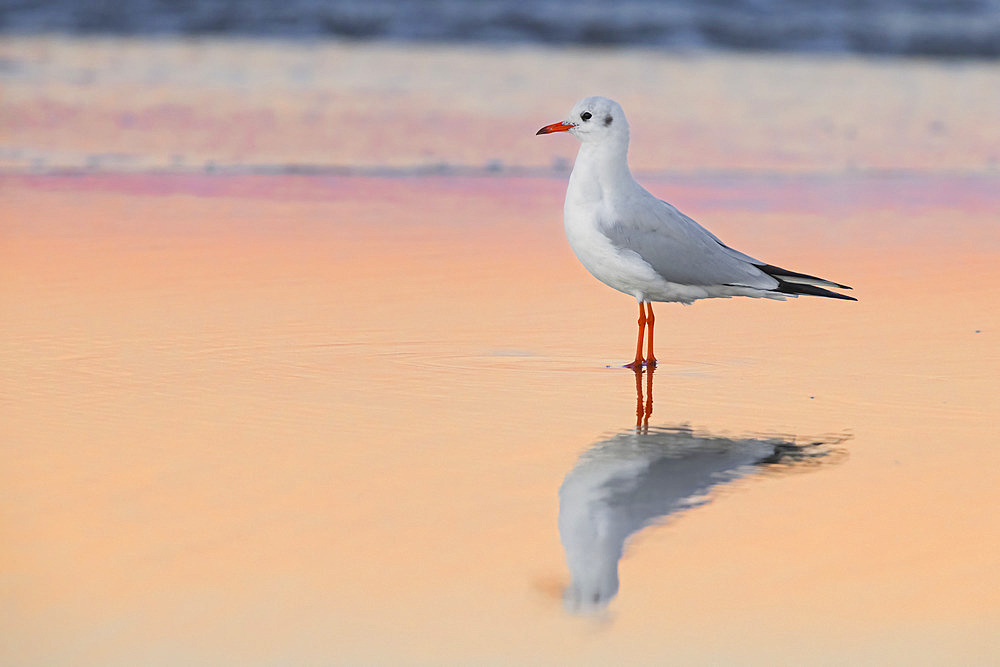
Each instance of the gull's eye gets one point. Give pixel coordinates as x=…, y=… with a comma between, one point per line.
x=586, y=115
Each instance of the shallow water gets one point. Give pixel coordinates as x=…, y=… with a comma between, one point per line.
x=320, y=418
x=256, y=426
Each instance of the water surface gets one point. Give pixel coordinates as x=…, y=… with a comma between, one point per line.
x=325, y=417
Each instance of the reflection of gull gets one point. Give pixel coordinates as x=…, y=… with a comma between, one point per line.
x=624, y=484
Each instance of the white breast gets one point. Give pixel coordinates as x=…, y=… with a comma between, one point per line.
x=622, y=269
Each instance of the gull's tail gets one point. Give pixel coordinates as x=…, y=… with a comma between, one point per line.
x=792, y=282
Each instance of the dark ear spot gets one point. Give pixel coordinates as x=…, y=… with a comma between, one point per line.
x=607, y=120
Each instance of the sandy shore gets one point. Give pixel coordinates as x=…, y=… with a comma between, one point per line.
x=318, y=419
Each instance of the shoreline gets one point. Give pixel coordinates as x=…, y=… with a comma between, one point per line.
x=75, y=103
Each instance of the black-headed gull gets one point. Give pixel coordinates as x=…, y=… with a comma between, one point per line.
x=643, y=246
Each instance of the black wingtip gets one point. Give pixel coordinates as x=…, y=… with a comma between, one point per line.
x=780, y=274
x=787, y=286
x=810, y=290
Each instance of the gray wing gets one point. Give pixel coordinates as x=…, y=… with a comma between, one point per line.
x=681, y=250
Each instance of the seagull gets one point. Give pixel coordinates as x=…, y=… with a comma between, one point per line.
x=643, y=246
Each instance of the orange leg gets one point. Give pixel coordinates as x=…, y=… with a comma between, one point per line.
x=650, y=359
x=637, y=364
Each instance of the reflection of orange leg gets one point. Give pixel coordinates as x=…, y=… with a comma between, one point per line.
x=637, y=364
x=643, y=408
x=650, y=319
x=649, y=396
x=639, y=405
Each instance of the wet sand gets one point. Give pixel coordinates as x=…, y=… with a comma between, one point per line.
x=324, y=418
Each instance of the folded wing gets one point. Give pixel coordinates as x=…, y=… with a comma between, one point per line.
x=683, y=252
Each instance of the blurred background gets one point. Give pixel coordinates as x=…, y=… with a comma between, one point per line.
x=929, y=28
x=296, y=358
x=203, y=85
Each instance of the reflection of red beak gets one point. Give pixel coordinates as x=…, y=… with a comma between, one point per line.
x=555, y=127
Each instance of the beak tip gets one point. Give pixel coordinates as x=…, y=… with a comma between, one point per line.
x=555, y=127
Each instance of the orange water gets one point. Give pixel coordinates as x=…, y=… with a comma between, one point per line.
x=321, y=419
x=315, y=419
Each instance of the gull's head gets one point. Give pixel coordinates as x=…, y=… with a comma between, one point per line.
x=593, y=120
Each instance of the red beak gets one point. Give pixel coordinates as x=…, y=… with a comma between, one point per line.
x=561, y=126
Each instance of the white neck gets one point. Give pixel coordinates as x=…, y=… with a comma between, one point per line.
x=601, y=171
